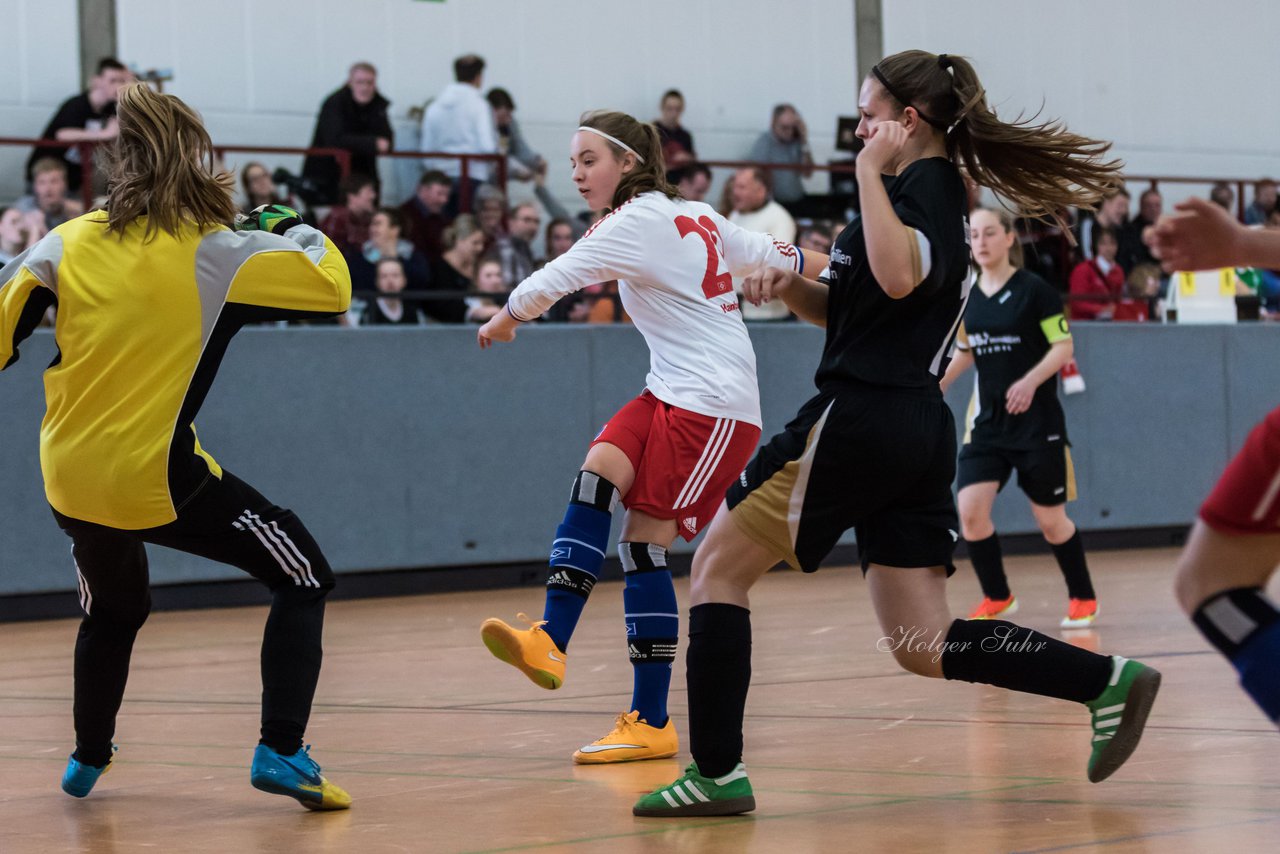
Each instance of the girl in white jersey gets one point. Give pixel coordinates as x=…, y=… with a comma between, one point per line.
x=670, y=454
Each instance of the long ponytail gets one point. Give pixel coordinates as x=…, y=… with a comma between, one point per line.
x=1039, y=168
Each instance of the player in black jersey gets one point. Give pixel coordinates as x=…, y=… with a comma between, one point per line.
x=1015, y=333
x=874, y=450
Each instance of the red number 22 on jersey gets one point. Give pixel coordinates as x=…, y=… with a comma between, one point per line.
x=713, y=284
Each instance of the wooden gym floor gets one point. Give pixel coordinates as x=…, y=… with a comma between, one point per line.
x=445, y=749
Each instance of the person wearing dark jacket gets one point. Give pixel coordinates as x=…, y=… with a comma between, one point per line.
x=354, y=118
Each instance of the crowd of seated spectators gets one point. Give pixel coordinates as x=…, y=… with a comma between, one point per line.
x=409, y=256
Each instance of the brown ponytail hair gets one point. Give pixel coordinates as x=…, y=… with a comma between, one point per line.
x=161, y=167
x=644, y=141
x=1038, y=168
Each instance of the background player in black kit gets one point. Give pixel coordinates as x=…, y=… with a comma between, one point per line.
x=1015, y=332
x=875, y=449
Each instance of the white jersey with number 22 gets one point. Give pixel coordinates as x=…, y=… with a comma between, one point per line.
x=675, y=261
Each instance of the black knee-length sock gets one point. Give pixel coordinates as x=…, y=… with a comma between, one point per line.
x=988, y=563
x=996, y=652
x=1075, y=569
x=718, y=670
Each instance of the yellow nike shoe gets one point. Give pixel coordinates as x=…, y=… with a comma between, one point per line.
x=631, y=740
x=531, y=650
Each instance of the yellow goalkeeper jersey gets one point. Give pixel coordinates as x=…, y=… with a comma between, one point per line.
x=141, y=329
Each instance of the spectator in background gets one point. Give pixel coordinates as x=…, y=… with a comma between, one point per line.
x=815, y=237
x=460, y=121
x=455, y=271
x=391, y=280
x=1098, y=275
x=386, y=240
x=18, y=233
x=753, y=210
x=514, y=250
x=677, y=143
x=1223, y=196
x=523, y=163
x=260, y=189
x=560, y=237
x=48, y=205
x=1264, y=202
x=491, y=207
x=1133, y=251
x=354, y=118
x=347, y=224
x=786, y=141
x=424, y=213
x=1141, y=289
x=87, y=117
x=489, y=280
x=1112, y=213
x=693, y=180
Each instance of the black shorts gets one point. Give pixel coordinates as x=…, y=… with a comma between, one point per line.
x=877, y=460
x=226, y=520
x=1045, y=474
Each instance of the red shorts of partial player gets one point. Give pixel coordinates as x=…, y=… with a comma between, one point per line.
x=1247, y=497
x=684, y=461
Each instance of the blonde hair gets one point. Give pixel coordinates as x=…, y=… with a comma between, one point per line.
x=462, y=227
x=1039, y=168
x=161, y=167
x=650, y=172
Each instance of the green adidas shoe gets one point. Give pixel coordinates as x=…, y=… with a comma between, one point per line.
x=694, y=794
x=1119, y=714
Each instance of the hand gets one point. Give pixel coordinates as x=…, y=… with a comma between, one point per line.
x=501, y=327
x=1017, y=399
x=110, y=130
x=276, y=219
x=764, y=285
x=883, y=148
x=1200, y=236
x=33, y=223
x=383, y=144
x=802, y=130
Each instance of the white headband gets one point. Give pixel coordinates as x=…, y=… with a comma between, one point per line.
x=614, y=140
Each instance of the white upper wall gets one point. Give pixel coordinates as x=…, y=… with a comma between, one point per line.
x=1184, y=87
x=40, y=67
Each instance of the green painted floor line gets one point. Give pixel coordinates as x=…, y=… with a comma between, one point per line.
x=1117, y=840
x=980, y=795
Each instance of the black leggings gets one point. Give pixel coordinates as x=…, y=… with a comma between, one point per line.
x=228, y=521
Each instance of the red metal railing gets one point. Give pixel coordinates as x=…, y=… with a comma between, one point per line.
x=341, y=155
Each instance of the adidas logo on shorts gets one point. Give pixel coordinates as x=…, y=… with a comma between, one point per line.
x=691, y=522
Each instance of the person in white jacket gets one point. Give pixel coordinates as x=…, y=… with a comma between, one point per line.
x=460, y=121
x=669, y=454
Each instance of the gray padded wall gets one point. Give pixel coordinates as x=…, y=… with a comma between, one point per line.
x=410, y=447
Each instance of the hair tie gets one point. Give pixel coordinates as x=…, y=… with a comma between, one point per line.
x=614, y=140
x=944, y=61
x=879, y=75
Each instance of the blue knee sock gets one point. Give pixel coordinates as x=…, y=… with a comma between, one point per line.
x=653, y=627
x=577, y=554
x=1245, y=627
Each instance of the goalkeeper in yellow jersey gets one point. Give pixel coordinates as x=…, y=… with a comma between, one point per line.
x=148, y=295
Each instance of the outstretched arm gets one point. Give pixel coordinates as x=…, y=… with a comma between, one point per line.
x=1203, y=236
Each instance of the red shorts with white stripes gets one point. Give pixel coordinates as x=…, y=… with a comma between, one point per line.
x=1247, y=497
x=684, y=461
